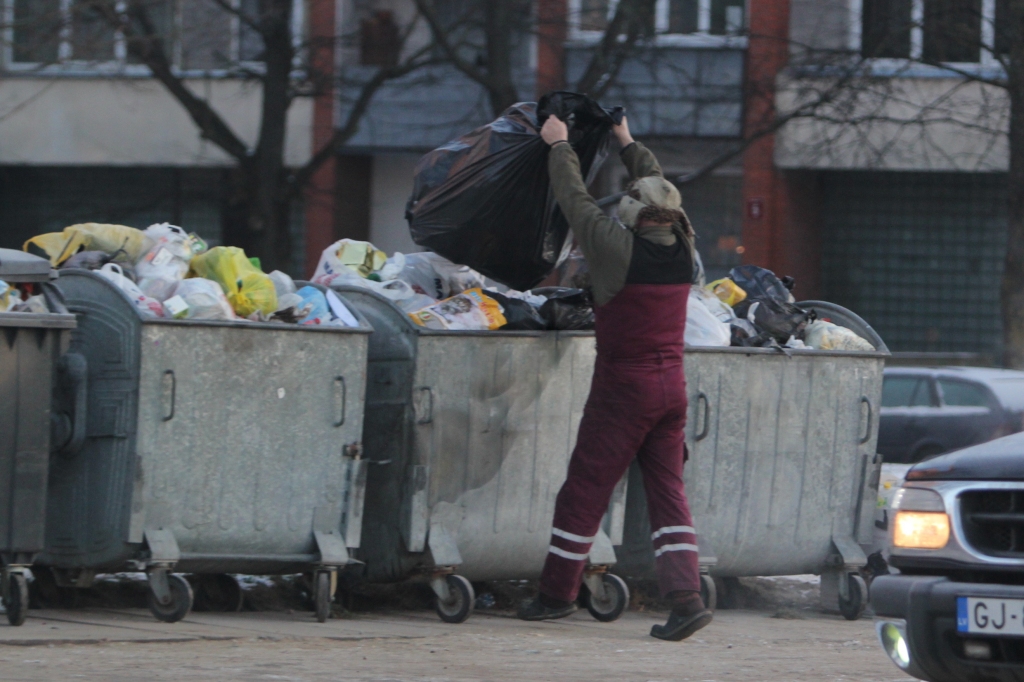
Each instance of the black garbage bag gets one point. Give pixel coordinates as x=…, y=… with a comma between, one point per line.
x=769, y=303
x=566, y=309
x=520, y=315
x=484, y=200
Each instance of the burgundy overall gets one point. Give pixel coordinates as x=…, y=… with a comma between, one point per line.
x=636, y=408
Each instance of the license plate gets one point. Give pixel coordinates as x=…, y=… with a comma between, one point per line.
x=983, y=615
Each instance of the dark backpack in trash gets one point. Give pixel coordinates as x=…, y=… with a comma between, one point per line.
x=566, y=309
x=484, y=200
x=769, y=303
x=519, y=315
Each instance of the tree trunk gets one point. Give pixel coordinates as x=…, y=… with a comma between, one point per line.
x=500, y=22
x=1013, y=273
x=267, y=189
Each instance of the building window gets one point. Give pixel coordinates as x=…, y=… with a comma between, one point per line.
x=933, y=31
x=885, y=28
x=197, y=35
x=588, y=18
x=952, y=31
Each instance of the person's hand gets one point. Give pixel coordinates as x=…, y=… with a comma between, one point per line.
x=622, y=133
x=554, y=130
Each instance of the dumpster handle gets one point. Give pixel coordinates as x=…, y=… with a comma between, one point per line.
x=340, y=381
x=867, y=432
x=702, y=396
x=174, y=389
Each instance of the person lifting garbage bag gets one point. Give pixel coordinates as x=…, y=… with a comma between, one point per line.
x=641, y=272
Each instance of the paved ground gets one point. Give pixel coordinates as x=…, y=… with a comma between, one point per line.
x=413, y=645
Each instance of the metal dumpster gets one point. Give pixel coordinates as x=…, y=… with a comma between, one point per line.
x=32, y=364
x=212, y=447
x=468, y=436
x=782, y=474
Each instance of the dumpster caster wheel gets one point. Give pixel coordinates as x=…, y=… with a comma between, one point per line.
x=322, y=596
x=180, y=604
x=459, y=605
x=853, y=607
x=708, y=592
x=615, y=600
x=16, y=601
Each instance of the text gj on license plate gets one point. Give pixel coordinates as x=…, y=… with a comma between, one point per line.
x=990, y=616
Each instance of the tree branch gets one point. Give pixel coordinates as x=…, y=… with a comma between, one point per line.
x=148, y=48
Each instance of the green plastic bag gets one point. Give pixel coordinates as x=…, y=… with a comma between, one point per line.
x=248, y=289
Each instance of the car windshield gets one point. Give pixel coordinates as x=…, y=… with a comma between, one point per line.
x=1010, y=393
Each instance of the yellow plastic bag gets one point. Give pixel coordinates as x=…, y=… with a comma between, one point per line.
x=472, y=309
x=727, y=291
x=60, y=246
x=247, y=288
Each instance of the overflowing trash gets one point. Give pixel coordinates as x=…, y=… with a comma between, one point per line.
x=484, y=199
x=168, y=273
x=439, y=294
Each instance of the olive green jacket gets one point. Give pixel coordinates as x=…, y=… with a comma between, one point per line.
x=606, y=243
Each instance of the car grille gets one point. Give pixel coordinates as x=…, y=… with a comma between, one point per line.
x=993, y=521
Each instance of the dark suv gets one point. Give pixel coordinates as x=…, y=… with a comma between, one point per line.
x=956, y=611
x=930, y=410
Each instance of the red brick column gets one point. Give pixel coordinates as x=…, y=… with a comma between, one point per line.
x=551, y=34
x=319, y=195
x=781, y=220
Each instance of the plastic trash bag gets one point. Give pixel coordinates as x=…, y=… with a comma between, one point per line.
x=5, y=295
x=148, y=306
x=126, y=242
x=761, y=284
x=466, y=311
x=484, y=199
x=248, y=290
x=823, y=335
x=283, y=284
x=87, y=260
x=703, y=328
x=348, y=255
x=392, y=267
x=519, y=314
x=314, y=305
x=205, y=300
x=769, y=304
x=714, y=305
x=436, y=276
x=566, y=309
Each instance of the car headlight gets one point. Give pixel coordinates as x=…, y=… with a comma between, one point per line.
x=893, y=636
x=921, y=521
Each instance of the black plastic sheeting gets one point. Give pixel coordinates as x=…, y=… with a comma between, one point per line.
x=484, y=200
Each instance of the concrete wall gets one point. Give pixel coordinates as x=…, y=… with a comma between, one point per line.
x=391, y=188
x=920, y=123
x=129, y=122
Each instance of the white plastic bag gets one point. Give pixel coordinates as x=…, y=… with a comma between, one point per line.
x=283, y=284
x=438, y=277
x=393, y=267
x=702, y=327
x=205, y=299
x=823, y=335
x=148, y=306
x=715, y=305
x=348, y=256
x=419, y=273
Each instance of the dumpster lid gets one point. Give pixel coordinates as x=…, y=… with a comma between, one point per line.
x=18, y=266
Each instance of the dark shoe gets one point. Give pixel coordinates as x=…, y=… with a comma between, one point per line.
x=535, y=610
x=681, y=624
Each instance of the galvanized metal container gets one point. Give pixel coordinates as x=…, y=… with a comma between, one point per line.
x=31, y=346
x=468, y=436
x=212, y=447
x=782, y=463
